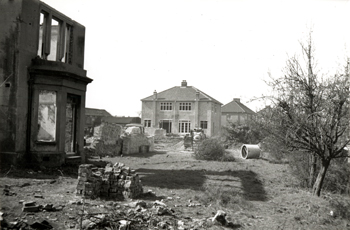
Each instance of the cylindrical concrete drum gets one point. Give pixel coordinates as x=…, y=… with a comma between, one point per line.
x=250, y=151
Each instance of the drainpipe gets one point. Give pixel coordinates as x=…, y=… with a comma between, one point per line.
x=154, y=109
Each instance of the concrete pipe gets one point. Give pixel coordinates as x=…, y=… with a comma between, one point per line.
x=250, y=151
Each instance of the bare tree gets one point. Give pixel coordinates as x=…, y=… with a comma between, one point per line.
x=311, y=112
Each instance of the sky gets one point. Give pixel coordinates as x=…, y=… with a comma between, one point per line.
x=225, y=48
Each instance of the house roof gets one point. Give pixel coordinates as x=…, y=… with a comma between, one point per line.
x=236, y=106
x=122, y=120
x=181, y=93
x=97, y=112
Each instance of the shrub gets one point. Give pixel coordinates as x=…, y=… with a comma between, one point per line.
x=237, y=134
x=209, y=149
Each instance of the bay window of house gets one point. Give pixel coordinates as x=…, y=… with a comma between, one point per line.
x=47, y=116
x=147, y=123
x=55, y=38
x=204, y=124
x=166, y=106
x=184, y=126
x=185, y=106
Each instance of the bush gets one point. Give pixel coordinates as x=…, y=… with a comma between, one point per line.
x=209, y=149
x=237, y=134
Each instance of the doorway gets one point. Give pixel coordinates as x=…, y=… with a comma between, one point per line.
x=72, y=105
x=166, y=124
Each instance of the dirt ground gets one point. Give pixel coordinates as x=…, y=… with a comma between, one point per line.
x=254, y=194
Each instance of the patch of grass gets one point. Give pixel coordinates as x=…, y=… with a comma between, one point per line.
x=222, y=197
x=340, y=206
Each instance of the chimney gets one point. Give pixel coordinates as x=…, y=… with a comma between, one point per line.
x=183, y=83
x=237, y=99
x=197, y=95
x=155, y=94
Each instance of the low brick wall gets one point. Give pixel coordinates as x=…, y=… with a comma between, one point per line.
x=117, y=181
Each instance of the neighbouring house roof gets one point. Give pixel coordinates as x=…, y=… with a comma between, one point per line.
x=181, y=93
x=236, y=106
x=122, y=120
x=97, y=112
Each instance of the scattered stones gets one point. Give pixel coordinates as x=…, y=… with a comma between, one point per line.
x=42, y=225
x=38, y=196
x=30, y=207
x=7, y=191
x=110, y=182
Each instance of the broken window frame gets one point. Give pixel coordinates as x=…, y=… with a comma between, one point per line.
x=63, y=51
x=47, y=116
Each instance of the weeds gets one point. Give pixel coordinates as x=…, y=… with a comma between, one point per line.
x=223, y=197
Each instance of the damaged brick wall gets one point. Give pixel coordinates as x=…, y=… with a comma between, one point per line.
x=117, y=181
x=108, y=133
x=134, y=143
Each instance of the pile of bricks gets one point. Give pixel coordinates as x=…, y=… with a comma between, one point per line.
x=117, y=181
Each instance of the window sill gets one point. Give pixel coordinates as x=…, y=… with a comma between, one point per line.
x=45, y=142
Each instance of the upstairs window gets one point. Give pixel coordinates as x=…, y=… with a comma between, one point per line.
x=185, y=106
x=55, y=38
x=166, y=106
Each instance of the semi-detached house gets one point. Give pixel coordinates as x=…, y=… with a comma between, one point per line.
x=181, y=109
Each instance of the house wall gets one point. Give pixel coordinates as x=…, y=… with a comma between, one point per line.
x=16, y=52
x=25, y=75
x=207, y=111
x=238, y=118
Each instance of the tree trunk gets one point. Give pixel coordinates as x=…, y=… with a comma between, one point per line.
x=312, y=170
x=316, y=190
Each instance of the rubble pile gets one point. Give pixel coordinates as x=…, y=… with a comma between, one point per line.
x=133, y=142
x=117, y=181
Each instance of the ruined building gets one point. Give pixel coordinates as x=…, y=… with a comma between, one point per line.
x=42, y=84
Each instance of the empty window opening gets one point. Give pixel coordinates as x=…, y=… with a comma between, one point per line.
x=42, y=26
x=47, y=116
x=55, y=35
x=67, y=43
x=55, y=38
x=71, y=123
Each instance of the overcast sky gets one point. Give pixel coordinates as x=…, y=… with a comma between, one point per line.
x=224, y=48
